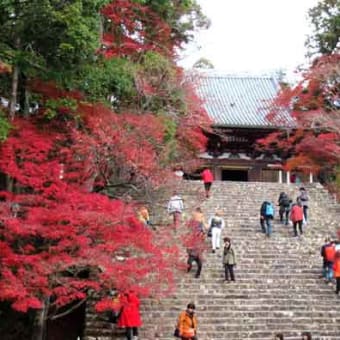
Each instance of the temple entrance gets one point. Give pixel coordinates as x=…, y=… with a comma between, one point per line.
x=234, y=175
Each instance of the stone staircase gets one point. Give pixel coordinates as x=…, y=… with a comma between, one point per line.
x=277, y=286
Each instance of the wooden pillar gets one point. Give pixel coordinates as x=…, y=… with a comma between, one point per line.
x=310, y=177
x=280, y=176
x=288, y=177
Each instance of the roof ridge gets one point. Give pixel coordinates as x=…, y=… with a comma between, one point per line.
x=222, y=74
x=238, y=76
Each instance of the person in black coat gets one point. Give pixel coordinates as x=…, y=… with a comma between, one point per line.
x=284, y=203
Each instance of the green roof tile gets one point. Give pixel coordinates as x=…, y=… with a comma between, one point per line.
x=241, y=101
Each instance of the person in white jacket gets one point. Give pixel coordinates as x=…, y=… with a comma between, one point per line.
x=216, y=225
x=175, y=208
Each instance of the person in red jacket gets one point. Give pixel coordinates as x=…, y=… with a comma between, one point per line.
x=208, y=179
x=296, y=216
x=328, y=254
x=130, y=315
x=336, y=271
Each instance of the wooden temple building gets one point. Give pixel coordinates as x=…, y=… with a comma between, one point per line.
x=238, y=107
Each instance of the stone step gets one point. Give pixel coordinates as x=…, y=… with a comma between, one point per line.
x=278, y=288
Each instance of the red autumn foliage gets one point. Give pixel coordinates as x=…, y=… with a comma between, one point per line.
x=191, y=126
x=134, y=28
x=66, y=239
x=49, y=90
x=314, y=103
x=63, y=230
x=132, y=143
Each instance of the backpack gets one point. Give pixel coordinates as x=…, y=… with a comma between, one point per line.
x=330, y=252
x=285, y=201
x=303, y=197
x=215, y=223
x=269, y=209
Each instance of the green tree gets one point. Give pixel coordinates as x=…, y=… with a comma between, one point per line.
x=203, y=63
x=46, y=39
x=60, y=41
x=184, y=17
x=325, y=19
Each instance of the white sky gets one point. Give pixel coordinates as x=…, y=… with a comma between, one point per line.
x=254, y=36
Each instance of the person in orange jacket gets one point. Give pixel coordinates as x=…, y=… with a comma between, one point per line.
x=336, y=271
x=187, y=323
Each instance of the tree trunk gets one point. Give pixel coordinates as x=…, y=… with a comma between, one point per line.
x=9, y=183
x=14, y=93
x=38, y=332
x=15, y=82
x=23, y=95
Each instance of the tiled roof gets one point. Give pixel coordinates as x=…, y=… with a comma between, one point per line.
x=240, y=101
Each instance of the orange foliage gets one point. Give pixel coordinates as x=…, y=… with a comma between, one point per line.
x=5, y=68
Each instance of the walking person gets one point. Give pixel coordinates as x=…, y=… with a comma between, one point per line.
x=216, y=225
x=186, y=328
x=195, y=255
x=328, y=255
x=229, y=260
x=284, y=207
x=336, y=271
x=208, y=178
x=196, y=245
x=266, y=216
x=175, y=208
x=296, y=216
x=198, y=221
x=303, y=198
x=130, y=315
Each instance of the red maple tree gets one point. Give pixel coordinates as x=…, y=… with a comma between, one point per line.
x=62, y=229
x=313, y=144
x=129, y=30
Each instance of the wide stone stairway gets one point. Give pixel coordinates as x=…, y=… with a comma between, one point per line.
x=278, y=286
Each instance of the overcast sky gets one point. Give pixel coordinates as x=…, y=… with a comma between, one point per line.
x=256, y=36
